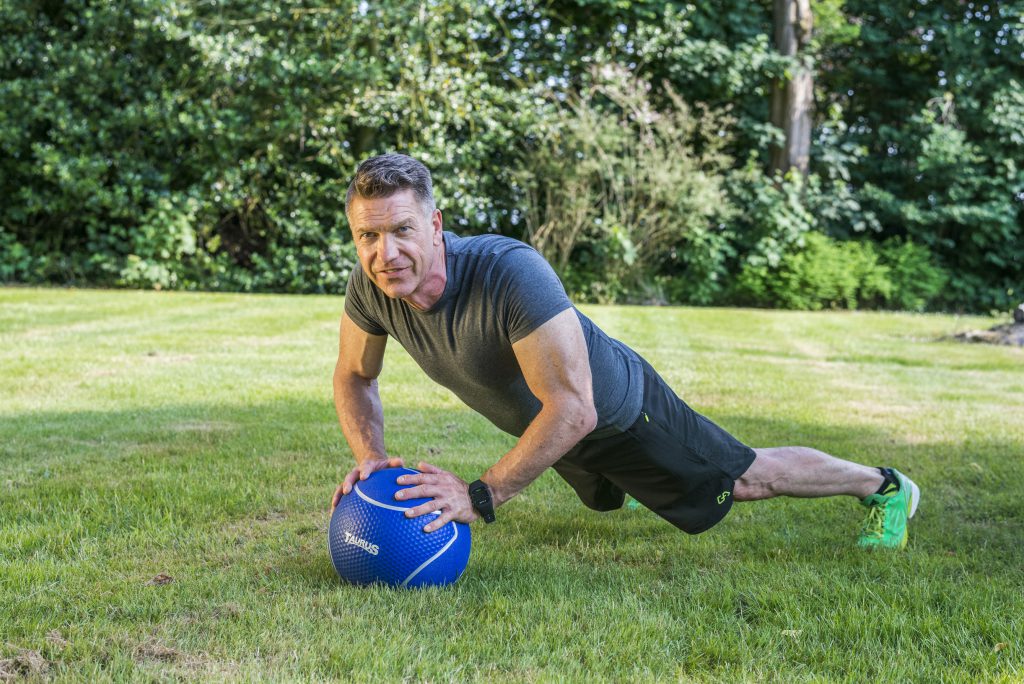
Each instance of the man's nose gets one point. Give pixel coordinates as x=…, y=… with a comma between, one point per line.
x=387, y=249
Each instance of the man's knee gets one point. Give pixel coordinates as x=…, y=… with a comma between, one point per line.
x=760, y=481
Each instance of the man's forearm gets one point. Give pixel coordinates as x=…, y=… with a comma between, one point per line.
x=553, y=432
x=361, y=416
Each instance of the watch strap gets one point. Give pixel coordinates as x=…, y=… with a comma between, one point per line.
x=480, y=497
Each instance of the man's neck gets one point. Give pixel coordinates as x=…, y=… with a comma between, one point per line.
x=433, y=286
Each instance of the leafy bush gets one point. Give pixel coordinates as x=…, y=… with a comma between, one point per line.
x=916, y=280
x=618, y=192
x=187, y=144
x=823, y=273
x=16, y=262
x=942, y=138
x=786, y=257
x=775, y=218
x=962, y=210
x=830, y=194
x=184, y=144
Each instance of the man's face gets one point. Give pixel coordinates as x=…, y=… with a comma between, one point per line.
x=397, y=242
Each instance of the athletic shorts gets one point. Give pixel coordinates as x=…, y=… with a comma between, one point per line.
x=673, y=460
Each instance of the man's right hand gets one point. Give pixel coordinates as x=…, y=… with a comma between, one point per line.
x=361, y=472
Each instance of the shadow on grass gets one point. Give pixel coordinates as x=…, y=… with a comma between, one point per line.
x=99, y=474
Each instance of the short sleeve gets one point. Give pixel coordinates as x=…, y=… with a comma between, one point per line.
x=357, y=306
x=527, y=291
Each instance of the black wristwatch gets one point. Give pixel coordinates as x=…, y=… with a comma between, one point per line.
x=480, y=496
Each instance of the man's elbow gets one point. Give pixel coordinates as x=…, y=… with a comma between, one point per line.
x=586, y=417
x=347, y=382
x=340, y=381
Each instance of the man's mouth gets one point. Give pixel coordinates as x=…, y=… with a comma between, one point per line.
x=392, y=271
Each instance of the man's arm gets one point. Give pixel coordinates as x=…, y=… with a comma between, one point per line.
x=556, y=365
x=357, y=401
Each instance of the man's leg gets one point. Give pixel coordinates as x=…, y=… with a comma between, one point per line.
x=891, y=498
x=804, y=472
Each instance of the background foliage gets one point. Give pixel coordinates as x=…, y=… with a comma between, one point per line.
x=207, y=145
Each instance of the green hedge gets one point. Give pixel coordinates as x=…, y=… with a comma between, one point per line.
x=204, y=145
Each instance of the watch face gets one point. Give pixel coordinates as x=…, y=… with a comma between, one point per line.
x=480, y=496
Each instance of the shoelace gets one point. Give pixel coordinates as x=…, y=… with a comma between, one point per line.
x=874, y=525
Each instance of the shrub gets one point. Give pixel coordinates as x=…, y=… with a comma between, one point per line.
x=189, y=145
x=775, y=217
x=785, y=259
x=823, y=273
x=916, y=280
x=618, y=192
x=16, y=262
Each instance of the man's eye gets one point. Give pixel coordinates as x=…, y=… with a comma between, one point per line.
x=404, y=229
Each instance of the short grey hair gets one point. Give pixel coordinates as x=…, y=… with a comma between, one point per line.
x=384, y=175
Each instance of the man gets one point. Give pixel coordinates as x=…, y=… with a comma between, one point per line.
x=488, y=318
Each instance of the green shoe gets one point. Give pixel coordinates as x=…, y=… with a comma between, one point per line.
x=886, y=524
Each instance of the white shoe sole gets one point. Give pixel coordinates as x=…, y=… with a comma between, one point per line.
x=915, y=496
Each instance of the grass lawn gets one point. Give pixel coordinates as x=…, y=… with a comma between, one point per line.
x=147, y=436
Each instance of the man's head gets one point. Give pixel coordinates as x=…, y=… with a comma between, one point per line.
x=383, y=176
x=397, y=229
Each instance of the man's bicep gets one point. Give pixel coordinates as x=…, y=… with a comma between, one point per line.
x=359, y=352
x=554, y=359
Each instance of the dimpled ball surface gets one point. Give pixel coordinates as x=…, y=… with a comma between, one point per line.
x=371, y=540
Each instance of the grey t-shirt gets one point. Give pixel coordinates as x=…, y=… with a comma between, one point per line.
x=498, y=291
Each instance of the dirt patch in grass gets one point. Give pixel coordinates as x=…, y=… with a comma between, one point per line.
x=226, y=611
x=162, y=578
x=1010, y=334
x=154, y=650
x=25, y=664
x=57, y=639
x=156, y=653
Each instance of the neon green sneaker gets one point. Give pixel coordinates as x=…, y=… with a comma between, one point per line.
x=888, y=513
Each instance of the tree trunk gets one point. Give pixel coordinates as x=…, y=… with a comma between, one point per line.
x=793, y=98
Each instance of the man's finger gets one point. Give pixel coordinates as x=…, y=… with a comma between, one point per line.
x=423, y=509
x=442, y=520
x=350, y=479
x=422, y=491
x=427, y=468
x=420, y=479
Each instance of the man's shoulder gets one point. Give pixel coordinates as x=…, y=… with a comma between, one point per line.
x=496, y=258
x=362, y=290
x=489, y=245
x=358, y=282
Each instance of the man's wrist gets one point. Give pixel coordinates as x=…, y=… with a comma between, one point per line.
x=482, y=499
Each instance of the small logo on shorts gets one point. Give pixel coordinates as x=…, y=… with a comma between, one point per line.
x=722, y=497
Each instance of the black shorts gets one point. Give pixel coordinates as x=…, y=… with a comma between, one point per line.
x=673, y=460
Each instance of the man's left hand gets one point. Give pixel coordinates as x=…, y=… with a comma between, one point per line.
x=449, y=494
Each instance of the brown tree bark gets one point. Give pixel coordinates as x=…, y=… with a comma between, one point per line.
x=793, y=98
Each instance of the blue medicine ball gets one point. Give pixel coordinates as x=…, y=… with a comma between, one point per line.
x=371, y=540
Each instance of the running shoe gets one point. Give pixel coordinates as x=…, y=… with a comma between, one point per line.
x=889, y=512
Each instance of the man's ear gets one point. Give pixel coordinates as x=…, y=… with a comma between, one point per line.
x=438, y=223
